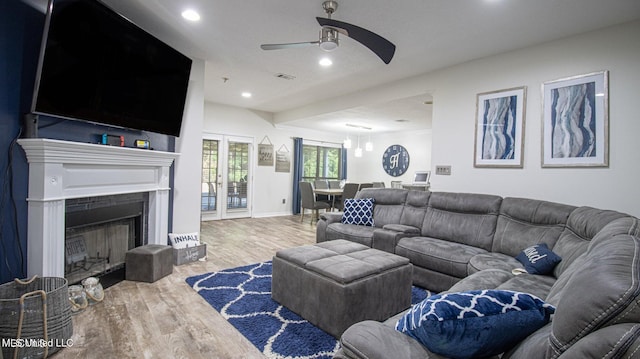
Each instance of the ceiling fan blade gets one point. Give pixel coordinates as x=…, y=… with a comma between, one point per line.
x=376, y=43
x=288, y=46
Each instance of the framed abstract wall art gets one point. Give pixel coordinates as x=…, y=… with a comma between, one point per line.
x=500, y=117
x=575, y=121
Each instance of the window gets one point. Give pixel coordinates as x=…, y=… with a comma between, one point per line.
x=321, y=163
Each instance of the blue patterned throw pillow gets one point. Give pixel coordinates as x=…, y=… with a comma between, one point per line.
x=538, y=259
x=358, y=211
x=476, y=323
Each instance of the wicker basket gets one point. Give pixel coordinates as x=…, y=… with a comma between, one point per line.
x=35, y=317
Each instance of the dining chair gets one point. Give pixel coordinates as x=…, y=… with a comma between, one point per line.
x=377, y=184
x=348, y=191
x=396, y=184
x=322, y=184
x=334, y=184
x=308, y=201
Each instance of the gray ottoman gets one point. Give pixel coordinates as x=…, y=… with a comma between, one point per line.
x=148, y=263
x=338, y=283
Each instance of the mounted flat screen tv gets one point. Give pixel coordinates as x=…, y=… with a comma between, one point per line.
x=97, y=66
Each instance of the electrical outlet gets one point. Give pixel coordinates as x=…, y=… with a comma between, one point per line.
x=443, y=170
x=284, y=201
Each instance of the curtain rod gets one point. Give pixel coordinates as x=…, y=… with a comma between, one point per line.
x=320, y=141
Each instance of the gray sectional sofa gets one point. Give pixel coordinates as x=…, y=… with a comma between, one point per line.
x=465, y=241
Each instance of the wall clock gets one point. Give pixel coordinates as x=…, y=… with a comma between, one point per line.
x=395, y=160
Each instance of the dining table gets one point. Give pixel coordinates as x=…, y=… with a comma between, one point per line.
x=331, y=192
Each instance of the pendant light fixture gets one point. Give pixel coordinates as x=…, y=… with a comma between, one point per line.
x=347, y=142
x=369, y=145
x=358, y=151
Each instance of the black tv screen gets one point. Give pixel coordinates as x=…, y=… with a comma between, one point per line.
x=97, y=66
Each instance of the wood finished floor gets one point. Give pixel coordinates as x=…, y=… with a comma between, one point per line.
x=168, y=319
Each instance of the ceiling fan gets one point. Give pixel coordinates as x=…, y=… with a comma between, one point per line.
x=329, y=36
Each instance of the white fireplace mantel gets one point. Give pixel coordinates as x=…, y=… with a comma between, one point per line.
x=59, y=170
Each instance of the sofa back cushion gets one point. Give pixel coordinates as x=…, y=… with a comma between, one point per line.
x=388, y=204
x=582, y=225
x=600, y=289
x=467, y=218
x=415, y=208
x=525, y=222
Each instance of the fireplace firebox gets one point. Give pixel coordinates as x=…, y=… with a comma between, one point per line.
x=98, y=233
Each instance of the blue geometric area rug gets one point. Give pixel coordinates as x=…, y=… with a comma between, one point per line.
x=243, y=297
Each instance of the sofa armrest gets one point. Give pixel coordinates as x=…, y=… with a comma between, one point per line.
x=374, y=340
x=331, y=217
x=326, y=219
x=386, y=239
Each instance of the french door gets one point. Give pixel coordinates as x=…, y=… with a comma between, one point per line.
x=226, y=177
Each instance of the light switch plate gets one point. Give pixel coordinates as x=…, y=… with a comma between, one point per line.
x=443, y=170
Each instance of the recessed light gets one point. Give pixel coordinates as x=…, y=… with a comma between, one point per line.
x=246, y=94
x=191, y=15
x=325, y=62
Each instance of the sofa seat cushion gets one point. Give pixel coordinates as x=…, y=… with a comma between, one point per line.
x=538, y=285
x=438, y=255
x=351, y=232
x=484, y=279
x=484, y=261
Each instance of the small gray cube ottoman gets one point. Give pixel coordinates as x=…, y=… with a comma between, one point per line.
x=338, y=283
x=148, y=263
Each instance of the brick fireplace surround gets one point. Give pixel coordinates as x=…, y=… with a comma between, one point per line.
x=60, y=170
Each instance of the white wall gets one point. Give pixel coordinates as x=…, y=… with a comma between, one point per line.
x=368, y=168
x=616, y=49
x=451, y=141
x=187, y=168
x=269, y=186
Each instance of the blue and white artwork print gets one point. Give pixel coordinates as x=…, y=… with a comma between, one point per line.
x=499, y=128
x=575, y=122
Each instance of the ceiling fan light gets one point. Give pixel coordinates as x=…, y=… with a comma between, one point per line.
x=329, y=45
x=368, y=146
x=358, y=152
x=328, y=39
x=347, y=143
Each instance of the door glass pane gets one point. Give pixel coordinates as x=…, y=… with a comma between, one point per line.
x=238, y=173
x=209, y=174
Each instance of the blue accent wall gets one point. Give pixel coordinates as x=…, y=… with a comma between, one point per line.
x=21, y=28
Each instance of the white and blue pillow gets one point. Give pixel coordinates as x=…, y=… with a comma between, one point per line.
x=538, y=259
x=475, y=323
x=358, y=211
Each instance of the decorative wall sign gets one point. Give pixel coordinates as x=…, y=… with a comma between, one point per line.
x=575, y=121
x=283, y=159
x=500, y=117
x=265, y=152
x=395, y=160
